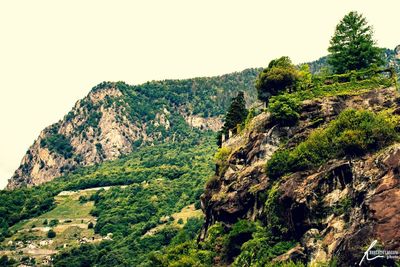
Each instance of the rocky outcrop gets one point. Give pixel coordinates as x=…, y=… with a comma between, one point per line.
x=334, y=211
x=397, y=52
x=211, y=123
x=98, y=128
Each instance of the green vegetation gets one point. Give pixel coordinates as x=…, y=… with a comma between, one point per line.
x=53, y=222
x=22, y=204
x=279, y=76
x=284, y=110
x=5, y=261
x=203, y=96
x=149, y=216
x=352, y=133
x=51, y=233
x=352, y=47
x=236, y=114
x=244, y=244
x=221, y=158
x=163, y=179
x=59, y=144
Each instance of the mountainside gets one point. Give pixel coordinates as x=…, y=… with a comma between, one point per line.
x=140, y=201
x=137, y=176
x=329, y=213
x=116, y=118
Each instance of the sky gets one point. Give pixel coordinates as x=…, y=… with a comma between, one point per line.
x=53, y=52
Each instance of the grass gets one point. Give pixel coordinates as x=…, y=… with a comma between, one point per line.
x=69, y=207
x=186, y=213
x=348, y=88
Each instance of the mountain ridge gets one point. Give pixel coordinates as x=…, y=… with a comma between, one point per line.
x=115, y=118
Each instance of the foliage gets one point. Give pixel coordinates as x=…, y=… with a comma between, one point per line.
x=222, y=155
x=200, y=96
x=285, y=264
x=58, y=143
x=280, y=75
x=22, y=204
x=304, y=81
x=275, y=223
x=53, y=222
x=163, y=179
x=284, y=110
x=236, y=114
x=352, y=47
x=240, y=233
x=342, y=206
x=6, y=261
x=346, y=88
x=51, y=233
x=352, y=133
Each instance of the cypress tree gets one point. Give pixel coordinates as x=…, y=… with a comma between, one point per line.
x=236, y=114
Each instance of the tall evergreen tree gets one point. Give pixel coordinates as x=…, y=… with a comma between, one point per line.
x=352, y=46
x=236, y=114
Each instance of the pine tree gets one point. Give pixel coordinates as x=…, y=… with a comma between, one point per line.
x=236, y=114
x=352, y=46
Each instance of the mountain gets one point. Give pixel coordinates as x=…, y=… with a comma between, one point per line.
x=332, y=210
x=313, y=193
x=116, y=118
x=135, y=177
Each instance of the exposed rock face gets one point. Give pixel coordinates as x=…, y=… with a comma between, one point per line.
x=213, y=123
x=98, y=128
x=333, y=211
x=397, y=51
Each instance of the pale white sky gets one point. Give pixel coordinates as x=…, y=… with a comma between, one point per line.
x=53, y=52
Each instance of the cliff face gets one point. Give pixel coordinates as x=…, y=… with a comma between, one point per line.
x=93, y=138
x=332, y=212
x=116, y=118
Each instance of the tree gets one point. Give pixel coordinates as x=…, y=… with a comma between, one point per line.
x=284, y=110
x=352, y=46
x=280, y=75
x=236, y=114
x=51, y=233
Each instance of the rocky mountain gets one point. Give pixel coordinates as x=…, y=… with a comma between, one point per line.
x=330, y=213
x=115, y=118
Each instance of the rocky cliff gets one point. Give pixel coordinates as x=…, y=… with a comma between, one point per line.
x=115, y=118
x=333, y=212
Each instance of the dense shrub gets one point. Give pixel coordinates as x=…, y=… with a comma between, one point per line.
x=240, y=233
x=222, y=155
x=353, y=133
x=284, y=110
x=58, y=143
x=51, y=233
x=53, y=222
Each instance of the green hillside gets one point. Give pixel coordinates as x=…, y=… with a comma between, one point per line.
x=162, y=181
